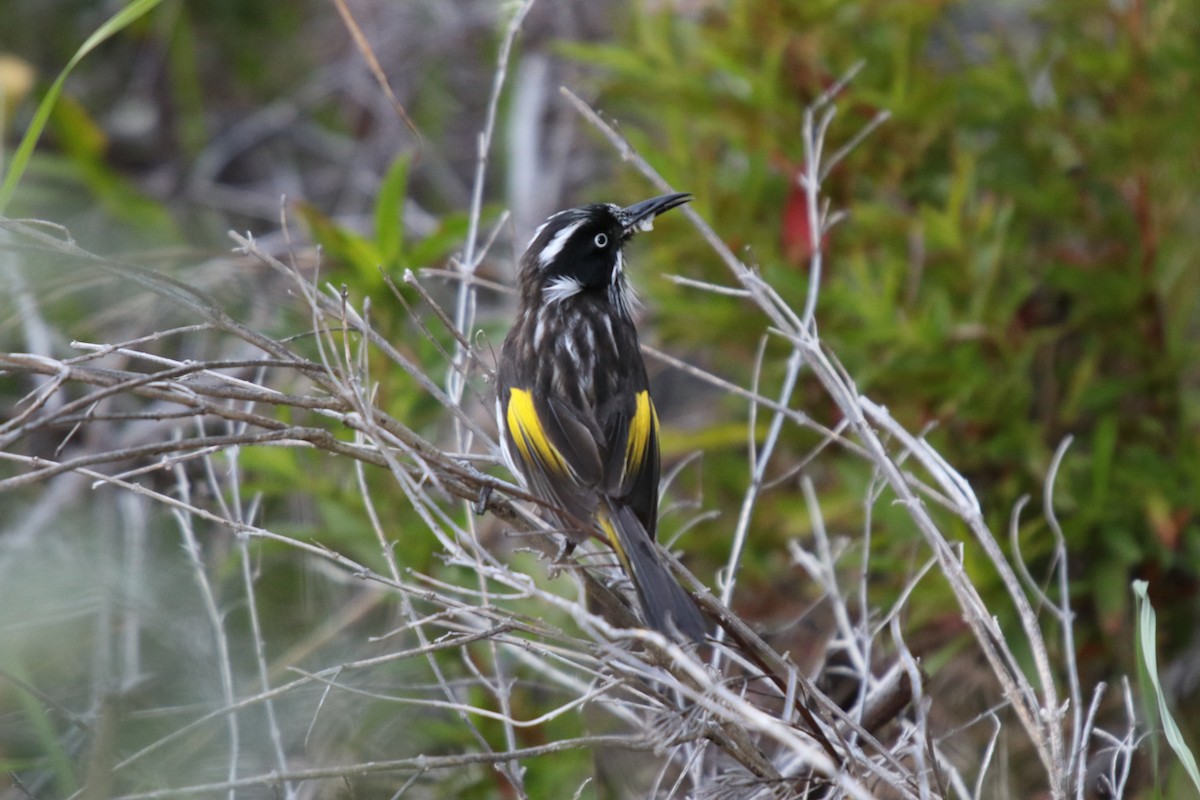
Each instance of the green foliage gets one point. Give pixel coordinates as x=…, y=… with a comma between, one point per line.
x=84, y=145
x=1018, y=265
x=362, y=260
x=41, y=730
x=128, y=14
x=1013, y=268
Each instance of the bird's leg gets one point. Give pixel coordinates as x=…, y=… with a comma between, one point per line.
x=565, y=548
x=559, y=561
x=485, y=494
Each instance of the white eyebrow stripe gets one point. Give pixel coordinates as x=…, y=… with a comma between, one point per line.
x=555, y=246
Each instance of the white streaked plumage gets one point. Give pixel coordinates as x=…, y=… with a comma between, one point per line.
x=539, y=330
x=589, y=337
x=612, y=337
x=568, y=343
x=623, y=298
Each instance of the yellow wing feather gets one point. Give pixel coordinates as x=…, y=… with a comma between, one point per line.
x=529, y=435
x=642, y=427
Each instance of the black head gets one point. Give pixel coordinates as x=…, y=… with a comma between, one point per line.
x=579, y=249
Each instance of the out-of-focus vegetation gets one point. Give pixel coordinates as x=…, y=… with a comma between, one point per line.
x=1018, y=264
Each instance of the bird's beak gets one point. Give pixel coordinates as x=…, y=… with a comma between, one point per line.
x=640, y=216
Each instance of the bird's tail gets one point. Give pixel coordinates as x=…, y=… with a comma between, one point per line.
x=667, y=607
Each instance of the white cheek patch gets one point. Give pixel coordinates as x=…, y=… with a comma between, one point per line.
x=560, y=288
x=556, y=245
x=645, y=225
x=619, y=267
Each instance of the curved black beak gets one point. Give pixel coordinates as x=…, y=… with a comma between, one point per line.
x=640, y=216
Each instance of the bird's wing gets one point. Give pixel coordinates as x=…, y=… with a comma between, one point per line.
x=576, y=436
x=633, y=461
x=555, y=449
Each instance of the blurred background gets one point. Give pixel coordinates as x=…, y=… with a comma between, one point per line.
x=1017, y=265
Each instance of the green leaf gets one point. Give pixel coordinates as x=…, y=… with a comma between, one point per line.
x=389, y=211
x=343, y=245
x=1148, y=643
x=448, y=235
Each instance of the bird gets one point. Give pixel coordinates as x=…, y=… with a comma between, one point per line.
x=578, y=426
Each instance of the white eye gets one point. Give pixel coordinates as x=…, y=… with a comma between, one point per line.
x=601, y=240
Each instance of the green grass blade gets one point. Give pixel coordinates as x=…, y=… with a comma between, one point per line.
x=116, y=23
x=1147, y=633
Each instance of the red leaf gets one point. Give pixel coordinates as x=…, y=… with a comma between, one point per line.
x=796, y=235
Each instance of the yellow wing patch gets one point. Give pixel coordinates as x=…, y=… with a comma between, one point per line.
x=642, y=427
x=528, y=433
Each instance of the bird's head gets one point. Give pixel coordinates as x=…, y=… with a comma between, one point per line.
x=579, y=250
